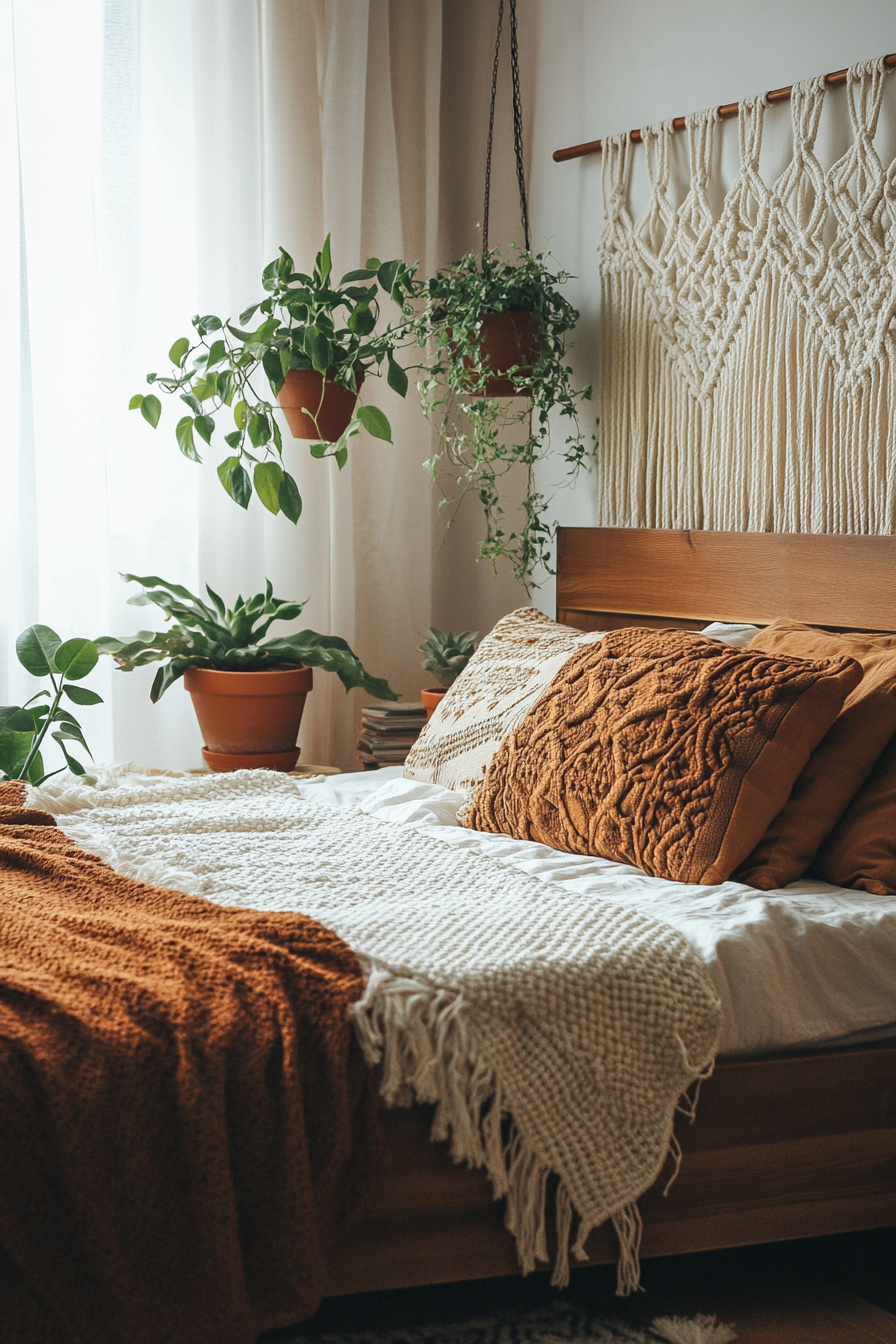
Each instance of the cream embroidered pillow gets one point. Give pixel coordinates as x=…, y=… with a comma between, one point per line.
x=511, y=669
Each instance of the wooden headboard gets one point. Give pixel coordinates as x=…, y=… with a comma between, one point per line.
x=609, y=577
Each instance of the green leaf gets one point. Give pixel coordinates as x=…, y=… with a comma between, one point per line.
x=363, y=320
x=225, y=473
x=290, y=499
x=184, y=432
x=239, y=414
x=375, y=422
x=241, y=487
x=151, y=409
x=206, y=387
x=247, y=314
x=386, y=274
x=205, y=427
x=206, y=324
x=357, y=275
x=76, y=657
x=216, y=354
x=178, y=351
x=135, y=402
x=324, y=263
x=268, y=477
x=14, y=749
x=318, y=449
x=259, y=429
x=233, y=439
x=397, y=378
x=341, y=456
x=82, y=695
x=271, y=362
x=192, y=401
x=75, y=766
x=36, y=648
x=373, y=264
x=13, y=719
x=318, y=349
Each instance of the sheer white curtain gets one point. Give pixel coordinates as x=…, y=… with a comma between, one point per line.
x=153, y=156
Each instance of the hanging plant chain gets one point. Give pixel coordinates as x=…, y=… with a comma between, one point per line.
x=517, y=124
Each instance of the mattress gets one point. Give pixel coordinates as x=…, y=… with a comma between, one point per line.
x=809, y=966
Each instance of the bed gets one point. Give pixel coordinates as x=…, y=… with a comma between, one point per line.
x=789, y=1144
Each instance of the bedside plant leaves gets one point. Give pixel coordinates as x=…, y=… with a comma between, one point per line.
x=36, y=649
x=23, y=728
x=76, y=658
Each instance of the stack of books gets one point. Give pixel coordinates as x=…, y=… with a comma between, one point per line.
x=388, y=732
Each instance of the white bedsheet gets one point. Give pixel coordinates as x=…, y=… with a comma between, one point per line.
x=802, y=966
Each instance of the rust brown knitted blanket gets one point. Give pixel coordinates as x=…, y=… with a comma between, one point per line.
x=185, y=1119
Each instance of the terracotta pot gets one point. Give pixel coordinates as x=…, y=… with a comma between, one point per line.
x=302, y=388
x=508, y=339
x=433, y=698
x=250, y=720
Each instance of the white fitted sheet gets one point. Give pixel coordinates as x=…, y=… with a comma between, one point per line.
x=806, y=966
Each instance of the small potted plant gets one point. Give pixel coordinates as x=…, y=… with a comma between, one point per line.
x=497, y=329
x=314, y=346
x=248, y=692
x=445, y=656
x=23, y=728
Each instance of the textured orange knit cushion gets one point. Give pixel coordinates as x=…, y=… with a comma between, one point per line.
x=860, y=852
x=661, y=749
x=844, y=758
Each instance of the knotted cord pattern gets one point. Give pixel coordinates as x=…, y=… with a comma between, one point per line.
x=747, y=359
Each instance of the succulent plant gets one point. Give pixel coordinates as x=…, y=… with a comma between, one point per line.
x=446, y=655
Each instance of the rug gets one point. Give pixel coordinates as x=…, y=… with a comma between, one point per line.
x=560, y=1323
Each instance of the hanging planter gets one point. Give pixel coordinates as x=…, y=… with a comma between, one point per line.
x=495, y=327
x=312, y=335
x=509, y=346
x=315, y=406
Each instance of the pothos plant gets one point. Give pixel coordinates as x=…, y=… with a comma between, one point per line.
x=23, y=728
x=484, y=438
x=307, y=322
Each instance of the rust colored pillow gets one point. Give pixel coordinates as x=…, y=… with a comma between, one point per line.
x=860, y=852
x=661, y=749
x=841, y=763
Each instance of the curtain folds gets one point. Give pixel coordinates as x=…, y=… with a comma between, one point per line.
x=153, y=157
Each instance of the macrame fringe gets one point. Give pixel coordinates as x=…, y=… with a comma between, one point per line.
x=428, y=1050
x=701, y=1330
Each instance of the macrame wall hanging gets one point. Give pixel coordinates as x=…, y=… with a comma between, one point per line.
x=748, y=368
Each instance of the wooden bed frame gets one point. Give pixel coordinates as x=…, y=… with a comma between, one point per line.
x=790, y=1146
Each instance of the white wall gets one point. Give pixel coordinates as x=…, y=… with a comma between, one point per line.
x=603, y=66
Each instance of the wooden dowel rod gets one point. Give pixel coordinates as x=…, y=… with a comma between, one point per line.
x=726, y=111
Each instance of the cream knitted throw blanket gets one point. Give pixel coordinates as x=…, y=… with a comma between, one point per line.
x=576, y=1021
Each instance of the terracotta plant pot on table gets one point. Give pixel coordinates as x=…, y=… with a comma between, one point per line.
x=302, y=388
x=508, y=340
x=249, y=720
x=433, y=698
